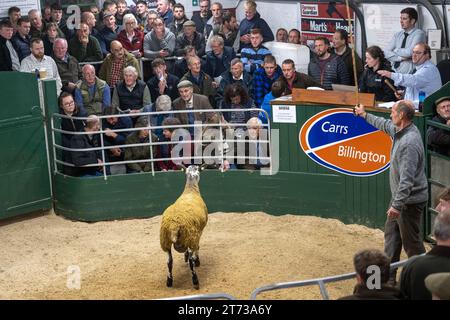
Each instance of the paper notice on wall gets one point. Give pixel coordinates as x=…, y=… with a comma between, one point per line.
x=284, y=114
x=382, y=21
x=24, y=5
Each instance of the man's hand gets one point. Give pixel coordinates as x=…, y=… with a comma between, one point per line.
x=245, y=38
x=393, y=213
x=110, y=133
x=360, y=111
x=71, y=86
x=385, y=73
x=399, y=94
x=163, y=53
x=162, y=86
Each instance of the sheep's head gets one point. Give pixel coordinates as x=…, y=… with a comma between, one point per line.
x=193, y=174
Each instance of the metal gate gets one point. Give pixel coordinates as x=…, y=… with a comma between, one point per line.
x=24, y=172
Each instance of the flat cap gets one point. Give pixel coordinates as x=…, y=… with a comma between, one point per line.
x=442, y=99
x=189, y=23
x=107, y=14
x=439, y=284
x=184, y=84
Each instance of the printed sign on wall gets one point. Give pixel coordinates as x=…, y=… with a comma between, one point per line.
x=323, y=19
x=340, y=141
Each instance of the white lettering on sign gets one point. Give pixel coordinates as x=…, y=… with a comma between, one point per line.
x=327, y=126
x=351, y=152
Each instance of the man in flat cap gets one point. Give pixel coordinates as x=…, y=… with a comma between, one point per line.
x=439, y=139
x=189, y=100
x=190, y=37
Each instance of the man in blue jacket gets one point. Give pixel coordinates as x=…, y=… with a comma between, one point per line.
x=253, y=21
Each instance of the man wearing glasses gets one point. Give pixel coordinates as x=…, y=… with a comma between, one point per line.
x=425, y=76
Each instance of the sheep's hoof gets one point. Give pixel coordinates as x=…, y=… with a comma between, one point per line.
x=169, y=282
x=196, y=284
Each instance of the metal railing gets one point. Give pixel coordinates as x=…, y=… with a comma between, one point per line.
x=319, y=281
x=432, y=181
x=150, y=144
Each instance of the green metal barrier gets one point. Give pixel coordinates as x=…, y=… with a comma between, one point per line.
x=24, y=176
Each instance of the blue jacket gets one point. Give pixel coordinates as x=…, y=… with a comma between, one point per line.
x=266, y=107
x=22, y=45
x=227, y=79
x=253, y=59
x=259, y=23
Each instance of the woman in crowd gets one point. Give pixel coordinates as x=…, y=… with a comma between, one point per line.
x=236, y=97
x=371, y=81
x=131, y=37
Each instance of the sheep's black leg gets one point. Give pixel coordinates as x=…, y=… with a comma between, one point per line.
x=196, y=258
x=194, y=275
x=186, y=256
x=169, y=266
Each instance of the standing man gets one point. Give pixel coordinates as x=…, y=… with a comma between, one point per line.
x=9, y=59
x=325, y=67
x=21, y=40
x=399, y=50
x=200, y=18
x=38, y=61
x=253, y=21
x=425, y=76
x=342, y=49
x=37, y=24
x=409, y=187
x=176, y=26
x=165, y=12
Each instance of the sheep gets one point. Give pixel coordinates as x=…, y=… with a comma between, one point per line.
x=182, y=225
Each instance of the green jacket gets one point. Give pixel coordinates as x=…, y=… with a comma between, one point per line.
x=140, y=153
x=90, y=53
x=93, y=105
x=106, y=68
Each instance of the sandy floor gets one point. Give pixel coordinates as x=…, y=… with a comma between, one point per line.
x=123, y=260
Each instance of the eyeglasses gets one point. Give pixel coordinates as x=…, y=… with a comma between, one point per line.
x=68, y=104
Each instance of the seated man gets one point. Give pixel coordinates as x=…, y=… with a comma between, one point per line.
x=112, y=67
x=190, y=37
x=160, y=42
x=267, y=74
x=236, y=74
x=108, y=33
x=176, y=26
x=112, y=138
x=436, y=260
x=203, y=83
x=37, y=24
x=229, y=31
x=141, y=152
x=162, y=82
x=131, y=95
x=38, y=61
x=21, y=40
x=439, y=285
x=218, y=60
x=68, y=67
x=189, y=100
x=180, y=67
x=438, y=138
x=443, y=201
x=92, y=93
x=89, y=140
x=85, y=47
x=253, y=55
x=372, y=275
x=425, y=77
x=9, y=59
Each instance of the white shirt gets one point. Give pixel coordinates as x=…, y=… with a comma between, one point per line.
x=30, y=64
